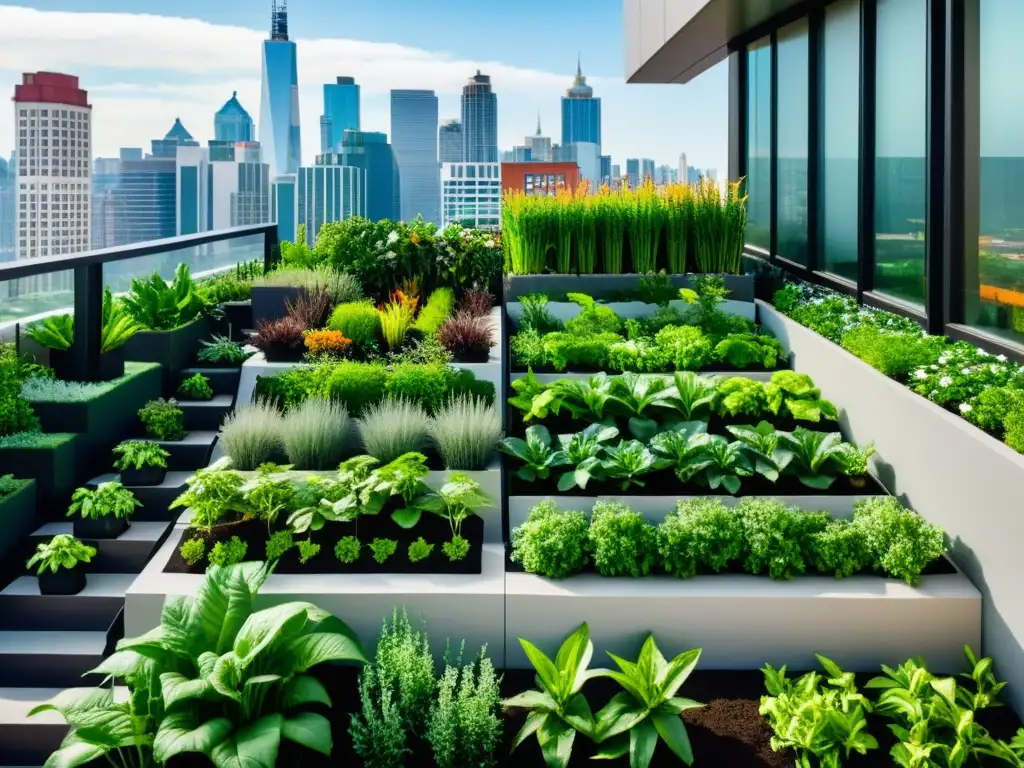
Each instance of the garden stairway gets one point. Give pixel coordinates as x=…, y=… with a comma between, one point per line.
x=48, y=642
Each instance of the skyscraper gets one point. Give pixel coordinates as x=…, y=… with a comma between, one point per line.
x=414, y=138
x=341, y=108
x=540, y=145
x=106, y=175
x=232, y=122
x=682, y=168
x=646, y=169
x=178, y=136
x=329, y=191
x=581, y=112
x=471, y=195
x=606, y=169
x=449, y=142
x=479, y=121
x=220, y=186
x=279, y=103
x=633, y=172
x=371, y=152
x=50, y=106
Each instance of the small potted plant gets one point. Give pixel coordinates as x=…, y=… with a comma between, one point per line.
x=141, y=462
x=196, y=387
x=163, y=419
x=104, y=512
x=58, y=560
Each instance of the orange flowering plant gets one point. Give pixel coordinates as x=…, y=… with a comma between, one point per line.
x=326, y=342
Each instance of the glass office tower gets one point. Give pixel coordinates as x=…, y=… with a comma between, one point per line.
x=479, y=121
x=279, y=102
x=414, y=138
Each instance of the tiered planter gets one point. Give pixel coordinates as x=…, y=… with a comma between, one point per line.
x=53, y=465
x=17, y=516
x=269, y=302
x=174, y=349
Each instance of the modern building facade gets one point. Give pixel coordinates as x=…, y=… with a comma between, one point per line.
x=539, y=178
x=581, y=112
x=279, y=130
x=341, y=113
x=223, y=185
x=106, y=175
x=646, y=169
x=232, y=122
x=606, y=169
x=540, y=145
x=449, y=142
x=633, y=172
x=8, y=208
x=479, y=120
x=328, y=192
x=414, y=135
x=53, y=118
x=471, y=195
x=284, y=206
x=370, y=151
x=584, y=154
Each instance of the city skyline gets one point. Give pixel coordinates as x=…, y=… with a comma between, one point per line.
x=147, y=82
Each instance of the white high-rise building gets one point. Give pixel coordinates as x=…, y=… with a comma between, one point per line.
x=471, y=195
x=682, y=168
x=53, y=178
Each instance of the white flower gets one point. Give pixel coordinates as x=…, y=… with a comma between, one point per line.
x=995, y=368
x=965, y=408
x=1001, y=358
x=393, y=237
x=965, y=371
x=934, y=367
x=943, y=359
x=921, y=373
x=945, y=381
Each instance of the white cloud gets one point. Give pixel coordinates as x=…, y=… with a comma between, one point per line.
x=143, y=70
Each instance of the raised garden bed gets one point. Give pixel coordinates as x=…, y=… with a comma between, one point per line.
x=52, y=460
x=174, y=349
x=17, y=515
x=268, y=302
x=237, y=319
x=111, y=364
x=741, y=287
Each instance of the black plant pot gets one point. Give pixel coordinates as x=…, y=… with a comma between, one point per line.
x=283, y=353
x=63, y=582
x=111, y=364
x=144, y=476
x=109, y=527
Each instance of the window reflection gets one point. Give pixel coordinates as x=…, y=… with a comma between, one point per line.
x=759, y=134
x=792, y=125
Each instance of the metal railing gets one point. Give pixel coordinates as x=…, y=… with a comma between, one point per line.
x=34, y=288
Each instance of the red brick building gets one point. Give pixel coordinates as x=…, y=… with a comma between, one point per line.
x=539, y=178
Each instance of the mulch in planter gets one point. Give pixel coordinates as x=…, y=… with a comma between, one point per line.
x=665, y=483
x=431, y=527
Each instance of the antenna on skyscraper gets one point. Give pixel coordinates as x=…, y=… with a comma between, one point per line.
x=279, y=20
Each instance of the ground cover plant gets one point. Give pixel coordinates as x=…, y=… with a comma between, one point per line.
x=704, y=536
x=654, y=435
x=699, y=337
x=681, y=228
x=984, y=389
x=364, y=516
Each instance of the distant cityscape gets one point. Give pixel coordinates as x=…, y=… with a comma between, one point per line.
x=56, y=199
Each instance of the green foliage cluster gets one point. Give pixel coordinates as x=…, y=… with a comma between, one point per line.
x=439, y=306
x=58, y=331
x=159, y=306
x=138, y=454
x=220, y=350
x=62, y=551
x=196, y=387
x=9, y=485
x=407, y=710
x=163, y=419
x=987, y=390
x=703, y=535
x=109, y=499
x=16, y=413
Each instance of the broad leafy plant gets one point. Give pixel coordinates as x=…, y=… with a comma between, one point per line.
x=693, y=395
x=726, y=464
x=794, y=394
x=62, y=551
x=636, y=396
x=558, y=709
x=583, y=451
x=534, y=399
x=154, y=304
x=584, y=399
x=107, y=500
x=627, y=462
x=221, y=350
x=813, y=454
x=455, y=501
x=536, y=453
x=136, y=454
x=216, y=678
x=402, y=477
x=683, y=449
x=58, y=331
x=212, y=494
x=761, y=446
x=647, y=708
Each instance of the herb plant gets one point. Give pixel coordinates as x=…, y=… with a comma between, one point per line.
x=193, y=551
x=419, y=550
x=536, y=453
x=252, y=435
x=383, y=549
x=456, y=548
x=220, y=350
x=394, y=427
x=466, y=431
x=627, y=462
x=226, y=553
x=62, y=551
x=163, y=419
x=307, y=550
x=279, y=544
x=552, y=542
x=700, y=534
x=813, y=456
x=347, y=549
x=902, y=543
x=108, y=500
x=622, y=543
x=196, y=387
x=464, y=728
x=136, y=454
x=456, y=500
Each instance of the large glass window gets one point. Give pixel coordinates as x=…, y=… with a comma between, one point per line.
x=840, y=115
x=792, y=126
x=994, y=282
x=901, y=84
x=759, y=138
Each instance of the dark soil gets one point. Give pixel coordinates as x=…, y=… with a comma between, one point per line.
x=431, y=527
x=665, y=483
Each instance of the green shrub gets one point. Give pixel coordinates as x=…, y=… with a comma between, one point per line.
x=594, y=320
x=992, y=407
x=779, y=539
x=552, y=542
x=16, y=414
x=358, y=320
x=196, y=387
x=622, y=542
x=894, y=353
x=439, y=305
x=228, y=552
x=347, y=549
x=901, y=542
x=463, y=383
x=700, y=533
x=279, y=544
x=565, y=350
x=163, y=419
x=252, y=435
x=423, y=384
x=193, y=551
x=739, y=396
x=527, y=348
x=378, y=730
x=465, y=729
x=466, y=432
x=357, y=385
x=640, y=355
x=1013, y=426
x=689, y=349
x=841, y=548
x=456, y=549
x=393, y=427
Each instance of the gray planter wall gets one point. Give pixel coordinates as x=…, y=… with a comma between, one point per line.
x=948, y=470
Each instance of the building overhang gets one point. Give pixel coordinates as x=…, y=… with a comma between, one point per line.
x=673, y=41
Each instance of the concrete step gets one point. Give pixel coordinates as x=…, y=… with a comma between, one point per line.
x=206, y=414
x=189, y=454
x=93, y=609
x=56, y=659
x=155, y=498
x=28, y=740
x=128, y=553
x=223, y=381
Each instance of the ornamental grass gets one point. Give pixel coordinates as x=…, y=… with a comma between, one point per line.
x=678, y=228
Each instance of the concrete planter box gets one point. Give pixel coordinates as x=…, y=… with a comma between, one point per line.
x=740, y=287
x=492, y=369
x=948, y=470
x=54, y=467
x=566, y=310
x=256, y=366
x=174, y=349
x=456, y=607
x=17, y=517
x=742, y=621
x=548, y=378
x=654, y=508
x=268, y=302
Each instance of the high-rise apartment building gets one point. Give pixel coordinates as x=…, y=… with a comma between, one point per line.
x=106, y=175
x=540, y=145
x=371, y=152
x=682, y=168
x=8, y=207
x=232, y=122
x=341, y=113
x=223, y=185
x=471, y=195
x=479, y=121
x=646, y=169
x=329, y=191
x=279, y=133
x=53, y=119
x=633, y=172
x=284, y=201
x=178, y=136
x=449, y=142
x=414, y=138
x=581, y=112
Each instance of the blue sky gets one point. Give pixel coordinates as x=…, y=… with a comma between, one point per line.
x=143, y=67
